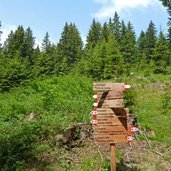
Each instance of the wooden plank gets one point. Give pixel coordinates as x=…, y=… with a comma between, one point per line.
x=110, y=95
x=114, y=120
x=109, y=124
x=121, y=141
x=104, y=133
x=110, y=112
x=110, y=128
x=116, y=103
x=108, y=86
x=111, y=139
x=110, y=116
x=113, y=157
x=107, y=111
x=107, y=136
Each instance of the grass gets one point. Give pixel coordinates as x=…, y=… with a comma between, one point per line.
x=57, y=104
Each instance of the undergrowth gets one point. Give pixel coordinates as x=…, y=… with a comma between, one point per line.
x=32, y=117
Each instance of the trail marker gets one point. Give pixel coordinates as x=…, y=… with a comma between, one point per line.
x=111, y=122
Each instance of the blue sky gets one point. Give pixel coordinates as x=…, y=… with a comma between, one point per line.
x=51, y=15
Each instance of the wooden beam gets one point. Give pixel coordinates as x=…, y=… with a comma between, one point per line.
x=112, y=157
x=108, y=86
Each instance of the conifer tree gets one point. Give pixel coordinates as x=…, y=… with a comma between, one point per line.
x=128, y=44
x=15, y=42
x=113, y=60
x=94, y=35
x=141, y=42
x=46, y=44
x=161, y=54
x=141, y=57
x=18, y=52
x=97, y=63
x=28, y=46
x=150, y=40
x=115, y=26
x=105, y=32
x=123, y=30
x=69, y=48
x=167, y=3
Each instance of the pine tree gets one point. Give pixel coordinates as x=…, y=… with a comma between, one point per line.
x=169, y=36
x=161, y=54
x=123, y=30
x=15, y=42
x=150, y=40
x=97, y=63
x=141, y=42
x=141, y=57
x=94, y=35
x=105, y=32
x=114, y=60
x=18, y=53
x=167, y=3
x=28, y=46
x=46, y=44
x=115, y=26
x=69, y=48
x=128, y=44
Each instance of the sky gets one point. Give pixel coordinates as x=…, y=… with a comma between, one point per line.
x=51, y=15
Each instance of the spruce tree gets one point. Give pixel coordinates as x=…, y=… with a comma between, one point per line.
x=28, y=46
x=46, y=44
x=15, y=42
x=18, y=52
x=141, y=57
x=150, y=40
x=105, y=32
x=123, y=30
x=141, y=42
x=161, y=54
x=115, y=26
x=98, y=60
x=113, y=61
x=128, y=44
x=69, y=48
x=94, y=35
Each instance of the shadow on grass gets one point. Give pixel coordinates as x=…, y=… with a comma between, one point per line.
x=122, y=167
x=119, y=166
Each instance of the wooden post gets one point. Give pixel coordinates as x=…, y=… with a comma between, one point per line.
x=112, y=157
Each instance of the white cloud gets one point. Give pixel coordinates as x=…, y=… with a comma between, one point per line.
x=6, y=29
x=83, y=37
x=110, y=6
x=38, y=43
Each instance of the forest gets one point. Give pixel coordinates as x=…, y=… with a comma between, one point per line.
x=46, y=92
x=111, y=50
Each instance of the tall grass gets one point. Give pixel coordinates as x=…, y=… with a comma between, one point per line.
x=53, y=104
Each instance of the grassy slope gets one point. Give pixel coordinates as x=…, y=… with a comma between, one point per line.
x=59, y=103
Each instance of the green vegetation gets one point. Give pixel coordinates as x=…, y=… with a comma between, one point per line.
x=32, y=115
x=47, y=92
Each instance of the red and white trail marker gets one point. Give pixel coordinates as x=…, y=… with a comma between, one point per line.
x=95, y=96
x=95, y=104
x=94, y=121
x=126, y=86
x=134, y=129
x=94, y=113
x=130, y=138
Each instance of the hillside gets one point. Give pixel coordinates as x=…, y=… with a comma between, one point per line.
x=44, y=125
